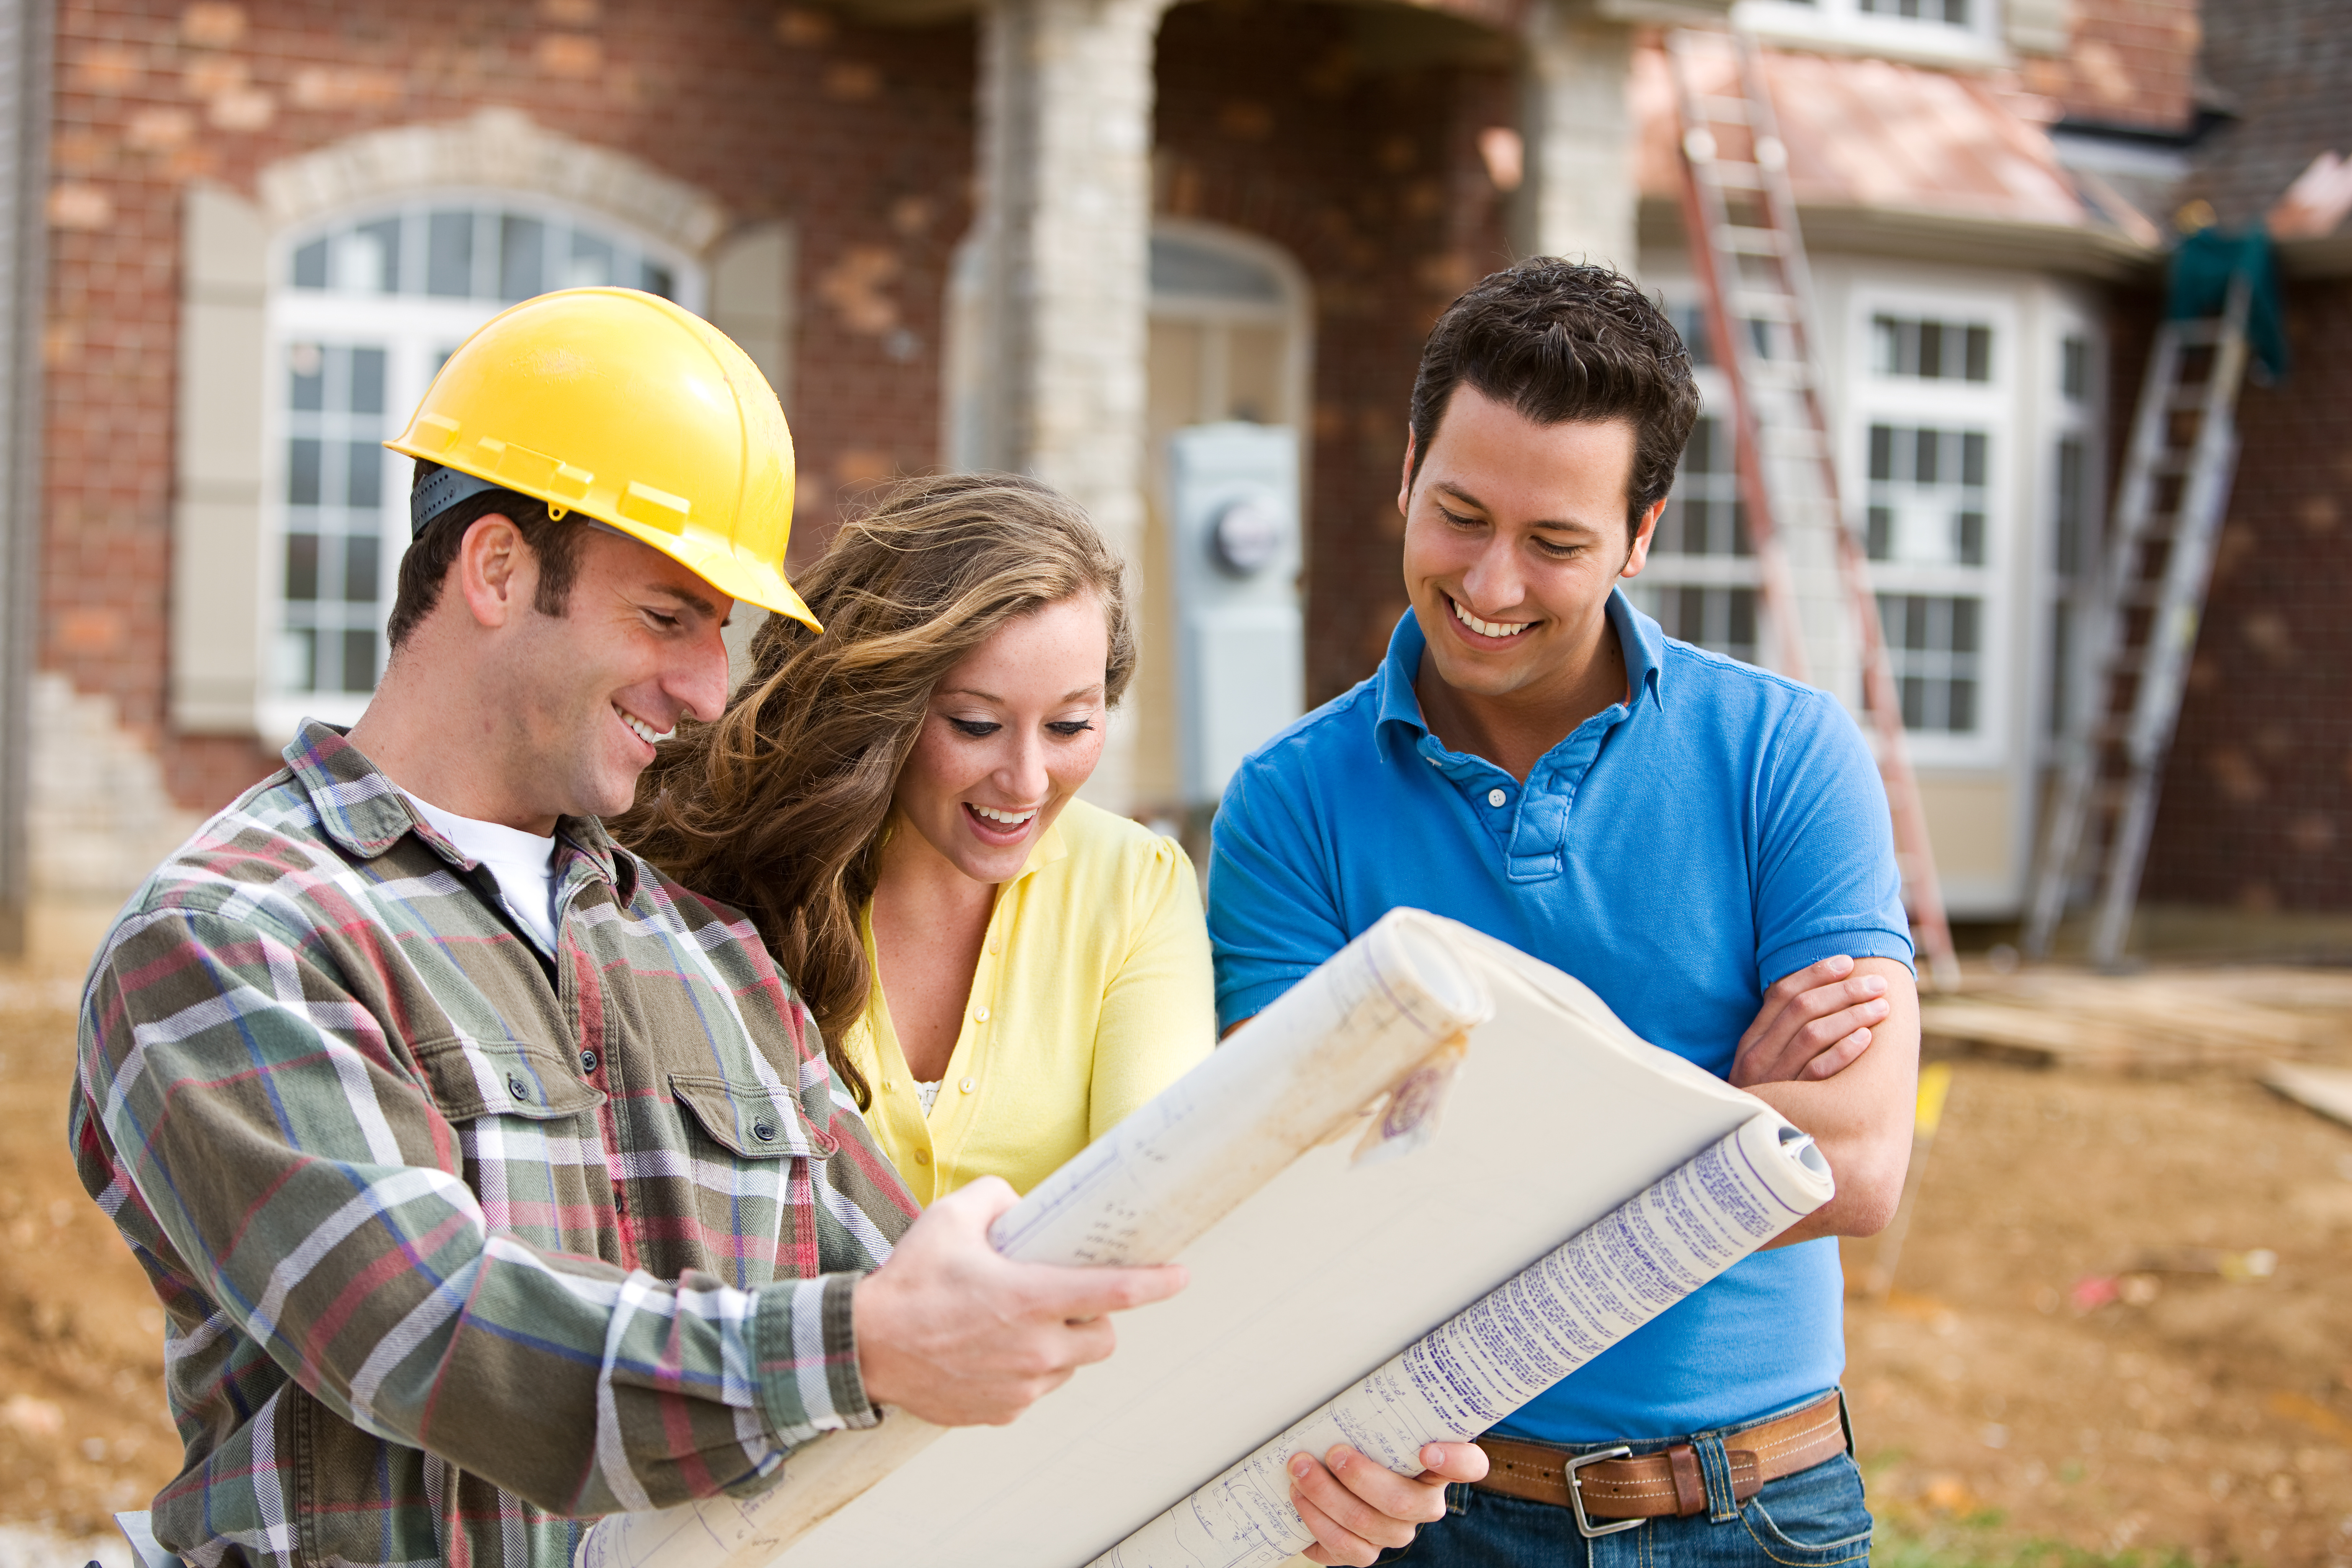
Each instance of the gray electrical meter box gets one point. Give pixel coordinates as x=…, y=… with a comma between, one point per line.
x=1241, y=631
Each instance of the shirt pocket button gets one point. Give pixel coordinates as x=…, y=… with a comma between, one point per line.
x=765, y=1131
x=519, y=1088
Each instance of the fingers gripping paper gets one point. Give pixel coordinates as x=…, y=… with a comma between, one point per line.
x=1329, y=1176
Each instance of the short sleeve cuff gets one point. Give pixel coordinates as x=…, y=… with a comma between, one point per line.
x=1238, y=1004
x=1873, y=942
x=805, y=1355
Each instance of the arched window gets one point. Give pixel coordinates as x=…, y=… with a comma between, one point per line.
x=364, y=308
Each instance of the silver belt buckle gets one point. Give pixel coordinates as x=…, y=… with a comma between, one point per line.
x=1584, y=1526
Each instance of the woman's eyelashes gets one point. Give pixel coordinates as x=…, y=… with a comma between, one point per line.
x=981, y=729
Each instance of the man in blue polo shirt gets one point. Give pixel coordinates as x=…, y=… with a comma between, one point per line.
x=1703, y=844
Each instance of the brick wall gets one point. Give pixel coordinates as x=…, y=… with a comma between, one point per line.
x=2128, y=63
x=2257, y=806
x=862, y=136
x=1291, y=123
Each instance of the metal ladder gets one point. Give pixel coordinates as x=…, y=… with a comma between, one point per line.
x=2150, y=594
x=1813, y=577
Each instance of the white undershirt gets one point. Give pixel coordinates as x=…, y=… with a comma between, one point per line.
x=523, y=863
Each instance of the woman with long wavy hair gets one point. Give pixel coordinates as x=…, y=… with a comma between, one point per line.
x=1001, y=971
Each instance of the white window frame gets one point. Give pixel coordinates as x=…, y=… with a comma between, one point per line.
x=415, y=330
x=1685, y=301
x=1990, y=406
x=2084, y=421
x=1843, y=25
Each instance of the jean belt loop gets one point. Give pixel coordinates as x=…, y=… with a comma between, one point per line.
x=1715, y=1466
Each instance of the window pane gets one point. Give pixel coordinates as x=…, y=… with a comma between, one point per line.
x=2070, y=505
x=298, y=660
x=1932, y=648
x=2074, y=369
x=657, y=280
x=591, y=264
x=1933, y=350
x=302, y=472
x=385, y=234
x=1928, y=503
x=363, y=476
x=360, y=569
x=449, y=254
x=1960, y=707
x=311, y=266
x=307, y=365
x=522, y=248
x=359, y=660
x=367, y=381
x=302, y=566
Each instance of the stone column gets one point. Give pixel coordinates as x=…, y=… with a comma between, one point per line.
x=1577, y=200
x=24, y=54
x=1065, y=104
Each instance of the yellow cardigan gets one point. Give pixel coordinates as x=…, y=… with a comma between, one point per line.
x=1093, y=993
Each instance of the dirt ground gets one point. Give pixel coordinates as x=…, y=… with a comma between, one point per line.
x=2060, y=1376
x=1999, y=1399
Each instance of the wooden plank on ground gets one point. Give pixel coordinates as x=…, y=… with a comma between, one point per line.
x=2328, y=1090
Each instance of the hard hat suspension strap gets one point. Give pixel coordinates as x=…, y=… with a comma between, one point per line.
x=439, y=493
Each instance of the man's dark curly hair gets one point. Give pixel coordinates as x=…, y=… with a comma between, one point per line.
x=1561, y=341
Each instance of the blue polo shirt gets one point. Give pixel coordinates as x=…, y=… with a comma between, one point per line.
x=1678, y=853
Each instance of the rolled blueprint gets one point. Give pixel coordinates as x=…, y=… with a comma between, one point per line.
x=1509, y=1345
x=1296, y=1075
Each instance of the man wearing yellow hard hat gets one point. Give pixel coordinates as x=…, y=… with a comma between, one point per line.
x=490, y=1182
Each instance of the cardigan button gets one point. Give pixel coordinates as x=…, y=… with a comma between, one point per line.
x=979, y=1015
x=969, y=1085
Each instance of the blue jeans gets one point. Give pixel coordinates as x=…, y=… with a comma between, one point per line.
x=1813, y=1519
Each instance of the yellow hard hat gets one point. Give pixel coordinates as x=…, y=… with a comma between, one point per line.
x=626, y=408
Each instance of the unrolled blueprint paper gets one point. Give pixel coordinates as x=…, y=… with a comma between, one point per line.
x=1547, y=1321
x=1313, y=1260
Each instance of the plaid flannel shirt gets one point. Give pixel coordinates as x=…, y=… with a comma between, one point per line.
x=459, y=1247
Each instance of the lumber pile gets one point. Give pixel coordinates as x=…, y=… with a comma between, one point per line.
x=2166, y=1021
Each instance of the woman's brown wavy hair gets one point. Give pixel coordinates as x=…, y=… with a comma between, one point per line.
x=778, y=807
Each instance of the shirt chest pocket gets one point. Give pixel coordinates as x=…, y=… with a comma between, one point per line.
x=750, y=1119
x=473, y=1079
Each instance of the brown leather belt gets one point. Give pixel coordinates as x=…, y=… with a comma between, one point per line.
x=1612, y=1485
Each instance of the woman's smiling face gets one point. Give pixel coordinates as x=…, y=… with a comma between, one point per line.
x=1012, y=734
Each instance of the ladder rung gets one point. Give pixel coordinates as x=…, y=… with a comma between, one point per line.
x=1745, y=239
x=1721, y=109
x=1782, y=374
x=1794, y=441
x=1761, y=305
x=1737, y=175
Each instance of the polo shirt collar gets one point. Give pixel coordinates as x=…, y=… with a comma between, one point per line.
x=1642, y=639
